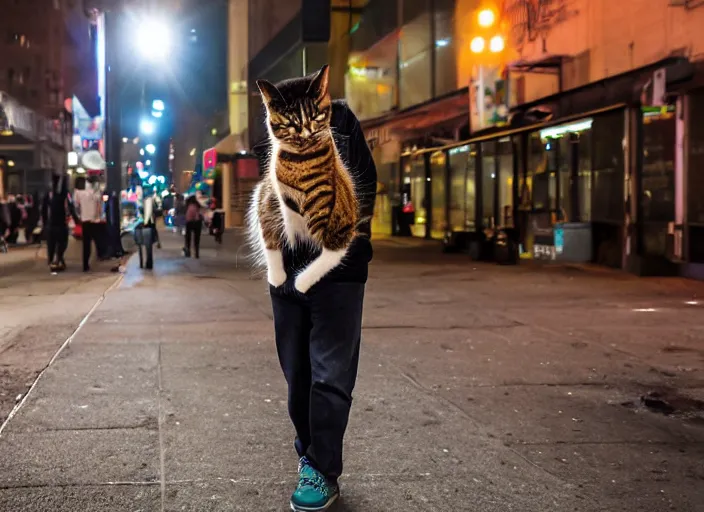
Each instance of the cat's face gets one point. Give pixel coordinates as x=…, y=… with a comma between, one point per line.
x=298, y=111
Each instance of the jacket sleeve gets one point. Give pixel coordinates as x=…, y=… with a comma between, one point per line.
x=72, y=209
x=364, y=170
x=45, y=210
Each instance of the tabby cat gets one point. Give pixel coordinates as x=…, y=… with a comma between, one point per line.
x=307, y=194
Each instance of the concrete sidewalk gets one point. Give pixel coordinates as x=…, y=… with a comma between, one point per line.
x=481, y=388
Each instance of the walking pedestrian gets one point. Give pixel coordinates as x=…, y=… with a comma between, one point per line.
x=194, y=225
x=56, y=211
x=15, y=219
x=89, y=204
x=4, y=223
x=147, y=235
x=318, y=333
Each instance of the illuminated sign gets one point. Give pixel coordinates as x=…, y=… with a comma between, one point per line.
x=210, y=158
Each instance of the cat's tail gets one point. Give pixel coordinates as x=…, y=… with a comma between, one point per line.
x=254, y=230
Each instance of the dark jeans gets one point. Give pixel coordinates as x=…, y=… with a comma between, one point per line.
x=91, y=233
x=57, y=242
x=317, y=339
x=193, y=230
x=148, y=238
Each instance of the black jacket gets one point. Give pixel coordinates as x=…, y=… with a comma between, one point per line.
x=56, y=208
x=352, y=146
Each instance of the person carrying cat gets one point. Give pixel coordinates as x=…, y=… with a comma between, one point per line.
x=310, y=223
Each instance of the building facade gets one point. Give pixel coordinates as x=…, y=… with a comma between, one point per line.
x=570, y=130
x=47, y=61
x=578, y=139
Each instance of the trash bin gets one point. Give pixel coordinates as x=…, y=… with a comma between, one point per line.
x=506, y=247
x=573, y=242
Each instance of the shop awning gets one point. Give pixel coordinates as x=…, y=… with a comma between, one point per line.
x=623, y=88
x=452, y=106
x=230, y=145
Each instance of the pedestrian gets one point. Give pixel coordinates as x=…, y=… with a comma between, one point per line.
x=318, y=331
x=194, y=225
x=4, y=223
x=57, y=209
x=15, y=219
x=217, y=221
x=146, y=234
x=89, y=204
x=180, y=214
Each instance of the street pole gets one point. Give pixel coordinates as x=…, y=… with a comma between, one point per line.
x=112, y=117
x=113, y=141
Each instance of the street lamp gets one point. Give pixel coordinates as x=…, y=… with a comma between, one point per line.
x=154, y=40
x=146, y=127
x=151, y=148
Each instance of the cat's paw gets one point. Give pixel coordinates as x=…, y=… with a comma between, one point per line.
x=276, y=277
x=303, y=283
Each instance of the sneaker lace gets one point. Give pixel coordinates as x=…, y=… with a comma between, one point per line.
x=310, y=477
x=315, y=480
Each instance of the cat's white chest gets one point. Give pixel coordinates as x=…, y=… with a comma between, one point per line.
x=294, y=225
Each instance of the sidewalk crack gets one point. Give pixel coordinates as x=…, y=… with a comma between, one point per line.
x=161, y=431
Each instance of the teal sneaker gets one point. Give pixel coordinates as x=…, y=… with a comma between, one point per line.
x=314, y=493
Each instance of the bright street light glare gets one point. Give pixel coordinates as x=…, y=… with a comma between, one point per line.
x=148, y=162
x=154, y=40
x=146, y=127
x=157, y=114
x=496, y=44
x=158, y=105
x=486, y=18
x=151, y=148
x=477, y=44
x=141, y=151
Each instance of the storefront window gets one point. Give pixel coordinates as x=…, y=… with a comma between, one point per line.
x=695, y=170
x=505, y=182
x=695, y=179
x=462, y=195
x=658, y=181
x=445, y=48
x=381, y=222
x=438, y=171
x=584, y=176
x=608, y=165
x=562, y=153
x=541, y=186
x=370, y=82
x=414, y=175
x=488, y=184
x=414, y=61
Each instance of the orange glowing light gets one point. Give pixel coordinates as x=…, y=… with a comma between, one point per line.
x=496, y=44
x=477, y=45
x=486, y=18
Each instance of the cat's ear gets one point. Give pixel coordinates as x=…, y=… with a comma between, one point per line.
x=318, y=87
x=269, y=92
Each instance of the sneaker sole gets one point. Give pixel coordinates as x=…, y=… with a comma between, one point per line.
x=299, y=508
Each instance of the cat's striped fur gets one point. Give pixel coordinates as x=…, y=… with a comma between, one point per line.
x=306, y=194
